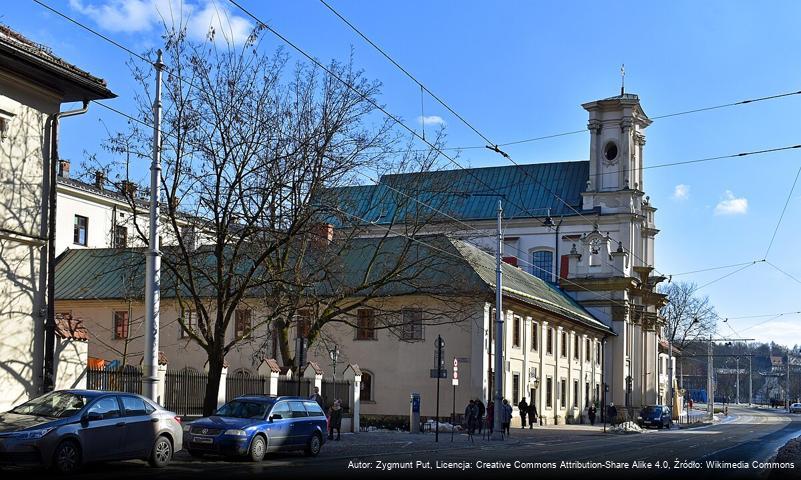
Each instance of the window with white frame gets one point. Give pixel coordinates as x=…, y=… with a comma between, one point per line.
x=542, y=264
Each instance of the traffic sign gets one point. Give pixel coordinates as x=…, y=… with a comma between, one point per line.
x=455, y=382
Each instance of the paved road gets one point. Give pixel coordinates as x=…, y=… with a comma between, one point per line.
x=748, y=435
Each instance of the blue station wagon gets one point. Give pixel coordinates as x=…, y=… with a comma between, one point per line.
x=252, y=425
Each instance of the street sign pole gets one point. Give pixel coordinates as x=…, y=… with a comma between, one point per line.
x=439, y=375
x=455, y=383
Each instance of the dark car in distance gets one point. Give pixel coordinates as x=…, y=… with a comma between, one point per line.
x=658, y=416
x=67, y=428
x=252, y=425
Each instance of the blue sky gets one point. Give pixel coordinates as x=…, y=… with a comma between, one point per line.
x=521, y=69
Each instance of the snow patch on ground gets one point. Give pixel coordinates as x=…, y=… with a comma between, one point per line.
x=626, y=427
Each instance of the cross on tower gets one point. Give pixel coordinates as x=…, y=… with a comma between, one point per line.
x=622, y=79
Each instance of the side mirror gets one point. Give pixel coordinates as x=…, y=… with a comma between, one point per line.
x=275, y=416
x=92, y=417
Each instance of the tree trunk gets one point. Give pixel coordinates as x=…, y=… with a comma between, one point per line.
x=216, y=361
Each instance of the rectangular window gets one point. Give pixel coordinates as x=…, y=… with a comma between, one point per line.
x=563, y=393
x=598, y=392
x=535, y=338
x=598, y=353
x=549, y=345
x=303, y=322
x=516, y=331
x=412, y=328
x=190, y=321
x=120, y=236
x=575, y=394
x=80, y=228
x=365, y=324
x=563, y=350
x=120, y=325
x=542, y=265
x=576, y=349
x=242, y=323
x=587, y=350
x=586, y=394
x=515, y=388
x=549, y=392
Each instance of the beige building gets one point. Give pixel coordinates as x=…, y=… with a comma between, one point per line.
x=553, y=351
x=33, y=85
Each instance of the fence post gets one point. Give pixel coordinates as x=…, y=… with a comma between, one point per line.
x=161, y=385
x=354, y=375
x=314, y=373
x=269, y=368
x=221, y=391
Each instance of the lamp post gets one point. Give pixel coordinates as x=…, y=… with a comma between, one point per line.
x=334, y=355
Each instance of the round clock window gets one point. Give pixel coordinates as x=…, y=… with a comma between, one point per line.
x=610, y=151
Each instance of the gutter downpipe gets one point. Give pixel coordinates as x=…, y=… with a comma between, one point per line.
x=48, y=380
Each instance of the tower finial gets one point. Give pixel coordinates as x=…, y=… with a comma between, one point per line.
x=622, y=79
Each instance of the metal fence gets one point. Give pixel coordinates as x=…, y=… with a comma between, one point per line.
x=243, y=383
x=125, y=379
x=339, y=389
x=290, y=387
x=184, y=391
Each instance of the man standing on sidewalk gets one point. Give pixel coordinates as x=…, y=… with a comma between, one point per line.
x=523, y=407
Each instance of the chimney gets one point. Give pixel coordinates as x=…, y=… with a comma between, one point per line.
x=128, y=188
x=322, y=234
x=64, y=168
x=100, y=179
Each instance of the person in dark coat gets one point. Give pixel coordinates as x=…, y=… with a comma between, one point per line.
x=317, y=397
x=506, y=419
x=481, y=412
x=470, y=414
x=591, y=414
x=334, y=419
x=611, y=412
x=532, y=414
x=523, y=407
x=491, y=416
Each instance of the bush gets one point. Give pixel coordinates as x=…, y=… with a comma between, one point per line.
x=385, y=422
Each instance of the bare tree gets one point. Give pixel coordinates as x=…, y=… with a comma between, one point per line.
x=253, y=155
x=687, y=315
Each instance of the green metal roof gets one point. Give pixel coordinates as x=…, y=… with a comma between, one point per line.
x=469, y=194
x=436, y=264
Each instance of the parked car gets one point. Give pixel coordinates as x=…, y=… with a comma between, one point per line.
x=67, y=428
x=658, y=416
x=252, y=425
x=795, y=408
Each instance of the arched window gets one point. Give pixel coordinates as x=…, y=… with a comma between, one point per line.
x=366, y=389
x=542, y=264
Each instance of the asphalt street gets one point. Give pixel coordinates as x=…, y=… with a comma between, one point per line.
x=742, y=442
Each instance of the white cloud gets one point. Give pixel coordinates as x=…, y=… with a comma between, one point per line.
x=681, y=192
x=133, y=16
x=786, y=333
x=430, y=120
x=731, y=205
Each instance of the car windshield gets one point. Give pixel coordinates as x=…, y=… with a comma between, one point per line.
x=54, y=405
x=244, y=409
x=652, y=410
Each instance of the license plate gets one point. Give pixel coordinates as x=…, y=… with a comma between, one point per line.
x=203, y=440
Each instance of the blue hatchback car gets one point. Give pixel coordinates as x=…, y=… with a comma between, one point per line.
x=253, y=425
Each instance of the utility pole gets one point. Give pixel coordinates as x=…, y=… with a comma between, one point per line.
x=750, y=385
x=787, y=391
x=670, y=375
x=439, y=376
x=153, y=267
x=738, y=380
x=497, y=433
x=710, y=400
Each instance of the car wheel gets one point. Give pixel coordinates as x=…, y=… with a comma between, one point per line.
x=314, y=445
x=67, y=457
x=257, y=449
x=162, y=452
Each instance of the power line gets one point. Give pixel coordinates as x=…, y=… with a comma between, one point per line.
x=729, y=274
x=783, y=272
x=778, y=224
x=714, y=268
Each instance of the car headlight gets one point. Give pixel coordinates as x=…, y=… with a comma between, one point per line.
x=236, y=433
x=186, y=427
x=33, y=434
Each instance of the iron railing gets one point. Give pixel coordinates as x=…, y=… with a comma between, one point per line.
x=125, y=379
x=184, y=391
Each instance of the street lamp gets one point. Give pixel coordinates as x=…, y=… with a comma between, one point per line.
x=334, y=355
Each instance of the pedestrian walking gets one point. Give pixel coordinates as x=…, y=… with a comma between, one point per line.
x=522, y=406
x=317, y=397
x=506, y=419
x=532, y=414
x=334, y=419
x=591, y=413
x=611, y=412
x=490, y=416
x=470, y=415
x=482, y=410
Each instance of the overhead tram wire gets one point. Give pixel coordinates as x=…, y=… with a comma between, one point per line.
x=516, y=142
x=492, y=145
x=781, y=217
x=728, y=274
x=137, y=120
